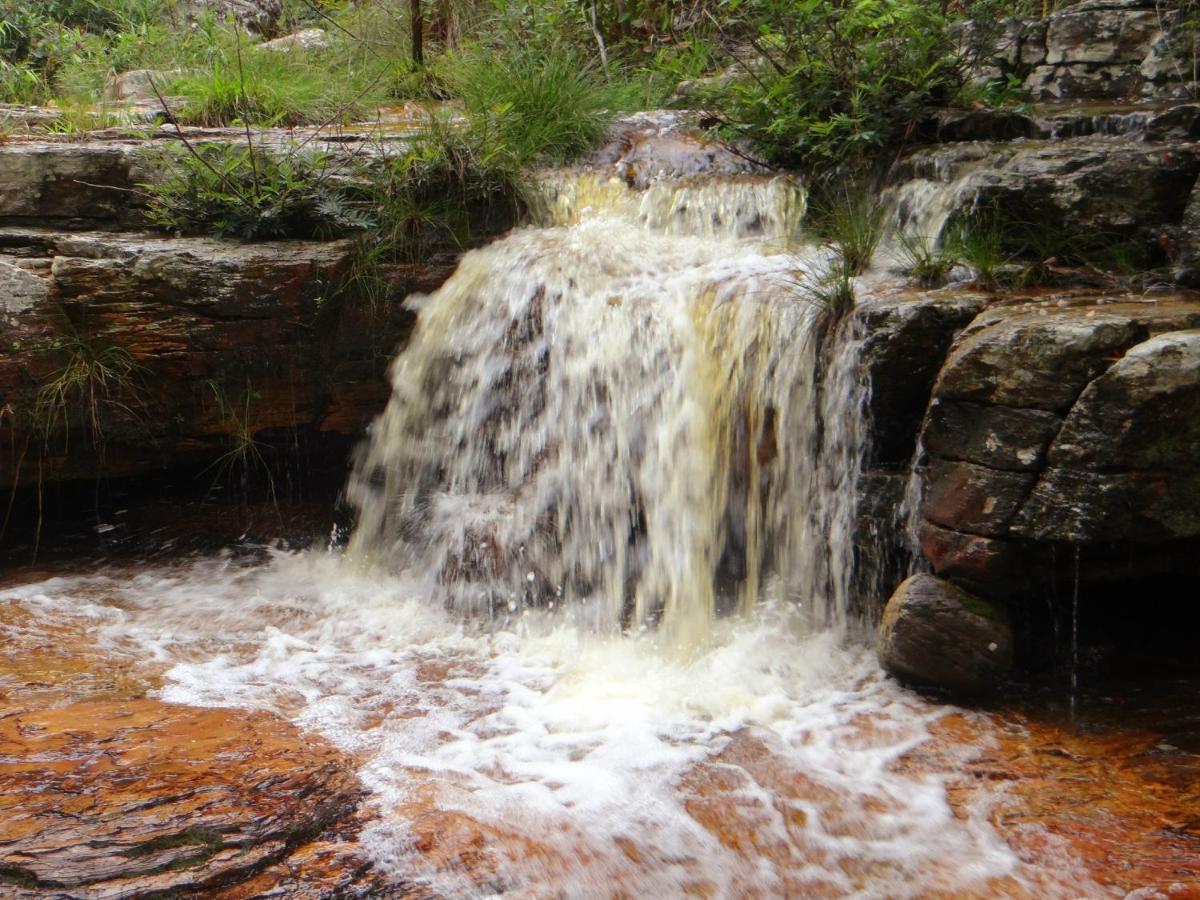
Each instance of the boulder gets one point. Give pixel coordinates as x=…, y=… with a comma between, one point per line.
x=1124, y=463
x=1072, y=424
x=305, y=39
x=1119, y=187
x=138, y=84
x=905, y=340
x=259, y=16
x=936, y=635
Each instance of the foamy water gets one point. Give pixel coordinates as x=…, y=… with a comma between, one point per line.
x=603, y=753
x=591, y=636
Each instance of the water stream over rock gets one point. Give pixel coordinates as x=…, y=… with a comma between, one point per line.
x=591, y=635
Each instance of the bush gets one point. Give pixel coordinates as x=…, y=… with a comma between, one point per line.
x=237, y=191
x=444, y=191
x=838, y=81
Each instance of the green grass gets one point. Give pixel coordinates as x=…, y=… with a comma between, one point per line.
x=925, y=261
x=534, y=104
x=852, y=219
x=237, y=190
x=97, y=383
x=246, y=454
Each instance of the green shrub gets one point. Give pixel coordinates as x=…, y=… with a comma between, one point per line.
x=446, y=191
x=238, y=191
x=836, y=81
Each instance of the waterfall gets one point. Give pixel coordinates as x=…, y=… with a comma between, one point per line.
x=627, y=415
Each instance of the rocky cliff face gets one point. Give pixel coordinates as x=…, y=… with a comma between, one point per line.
x=1054, y=455
x=1098, y=49
x=129, y=352
x=1057, y=452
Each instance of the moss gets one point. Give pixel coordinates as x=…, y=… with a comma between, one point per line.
x=206, y=841
x=981, y=608
x=18, y=876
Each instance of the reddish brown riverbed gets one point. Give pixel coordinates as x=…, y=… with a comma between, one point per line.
x=109, y=787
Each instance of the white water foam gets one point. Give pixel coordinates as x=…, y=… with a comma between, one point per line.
x=583, y=745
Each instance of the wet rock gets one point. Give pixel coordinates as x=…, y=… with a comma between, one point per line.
x=973, y=498
x=936, y=635
x=1143, y=413
x=905, y=341
x=992, y=566
x=1117, y=187
x=1027, y=360
x=1124, y=463
x=998, y=437
x=134, y=798
x=1063, y=425
x=647, y=147
x=210, y=325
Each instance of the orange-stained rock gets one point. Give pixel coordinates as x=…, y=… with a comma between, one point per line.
x=131, y=797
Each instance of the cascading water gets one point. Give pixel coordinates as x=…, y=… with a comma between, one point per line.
x=622, y=413
x=588, y=638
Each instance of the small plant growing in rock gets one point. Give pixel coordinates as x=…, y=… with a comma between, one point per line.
x=978, y=240
x=925, y=261
x=96, y=383
x=246, y=453
x=851, y=219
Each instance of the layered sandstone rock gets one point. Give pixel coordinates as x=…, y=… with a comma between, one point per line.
x=131, y=798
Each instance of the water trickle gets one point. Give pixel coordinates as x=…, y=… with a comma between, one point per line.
x=1075, y=636
x=627, y=413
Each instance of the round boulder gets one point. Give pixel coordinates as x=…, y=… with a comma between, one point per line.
x=936, y=635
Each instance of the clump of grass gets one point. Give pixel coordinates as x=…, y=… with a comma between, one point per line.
x=924, y=260
x=833, y=290
x=542, y=103
x=246, y=454
x=447, y=190
x=852, y=220
x=978, y=240
x=96, y=383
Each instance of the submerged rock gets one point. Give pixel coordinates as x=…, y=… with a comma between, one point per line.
x=936, y=635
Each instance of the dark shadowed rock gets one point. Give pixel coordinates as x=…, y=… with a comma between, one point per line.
x=936, y=635
x=973, y=498
x=992, y=566
x=999, y=437
x=906, y=340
